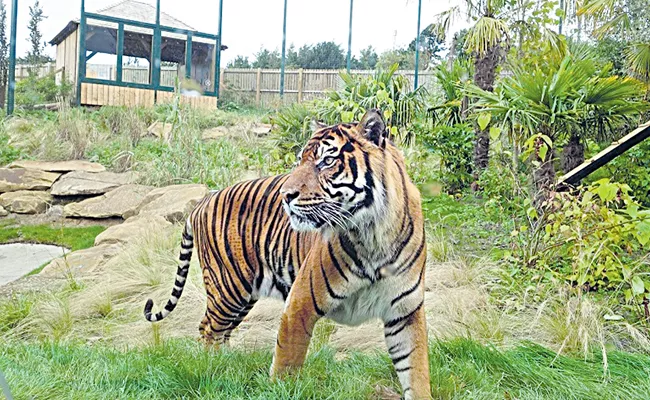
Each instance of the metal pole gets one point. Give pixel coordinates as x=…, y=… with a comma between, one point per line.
x=559, y=27
x=417, y=48
x=155, y=65
x=350, y=38
x=284, y=48
x=217, y=73
x=12, y=58
x=81, y=63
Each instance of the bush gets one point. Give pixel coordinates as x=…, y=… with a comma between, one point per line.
x=32, y=91
x=633, y=167
x=591, y=239
x=454, y=145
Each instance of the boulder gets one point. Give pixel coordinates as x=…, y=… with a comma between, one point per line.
x=81, y=262
x=3, y=212
x=174, y=203
x=132, y=229
x=215, y=133
x=26, y=201
x=112, y=204
x=160, y=130
x=14, y=179
x=82, y=183
x=261, y=129
x=59, y=166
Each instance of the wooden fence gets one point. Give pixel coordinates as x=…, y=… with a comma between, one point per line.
x=261, y=87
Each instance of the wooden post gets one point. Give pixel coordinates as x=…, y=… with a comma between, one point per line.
x=222, y=72
x=300, y=85
x=258, y=87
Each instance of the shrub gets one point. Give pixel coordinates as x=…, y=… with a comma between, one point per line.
x=32, y=91
x=454, y=145
x=591, y=238
x=634, y=167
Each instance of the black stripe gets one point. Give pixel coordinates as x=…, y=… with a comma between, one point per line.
x=402, y=358
x=336, y=262
x=313, y=296
x=409, y=291
x=329, y=288
x=402, y=369
x=397, y=320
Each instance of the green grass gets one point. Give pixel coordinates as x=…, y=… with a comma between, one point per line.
x=73, y=238
x=460, y=369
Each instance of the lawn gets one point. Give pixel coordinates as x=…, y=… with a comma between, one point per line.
x=73, y=238
x=460, y=369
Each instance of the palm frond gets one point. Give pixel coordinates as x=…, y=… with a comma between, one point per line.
x=487, y=33
x=638, y=60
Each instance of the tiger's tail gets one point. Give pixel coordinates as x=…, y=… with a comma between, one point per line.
x=187, y=245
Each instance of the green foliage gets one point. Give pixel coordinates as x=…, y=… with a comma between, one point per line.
x=454, y=145
x=632, y=167
x=32, y=91
x=460, y=369
x=385, y=90
x=73, y=238
x=448, y=108
x=591, y=239
x=291, y=127
x=13, y=311
x=8, y=153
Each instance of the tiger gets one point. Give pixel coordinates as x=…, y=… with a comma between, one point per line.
x=341, y=236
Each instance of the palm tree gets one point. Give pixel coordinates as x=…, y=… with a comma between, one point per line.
x=488, y=41
x=566, y=102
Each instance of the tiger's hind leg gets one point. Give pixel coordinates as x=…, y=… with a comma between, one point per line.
x=217, y=326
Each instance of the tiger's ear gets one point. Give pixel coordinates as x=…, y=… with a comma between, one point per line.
x=316, y=125
x=373, y=127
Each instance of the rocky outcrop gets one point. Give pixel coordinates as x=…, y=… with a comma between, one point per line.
x=173, y=203
x=59, y=166
x=215, y=133
x=81, y=183
x=81, y=262
x=14, y=179
x=3, y=212
x=26, y=201
x=132, y=229
x=112, y=204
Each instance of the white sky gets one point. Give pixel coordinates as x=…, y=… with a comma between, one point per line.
x=251, y=24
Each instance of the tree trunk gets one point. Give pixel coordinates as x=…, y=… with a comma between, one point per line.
x=573, y=154
x=485, y=67
x=544, y=174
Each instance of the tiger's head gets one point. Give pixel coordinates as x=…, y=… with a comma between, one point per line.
x=338, y=183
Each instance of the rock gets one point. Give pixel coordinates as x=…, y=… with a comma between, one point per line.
x=15, y=179
x=81, y=262
x=3, y=212
x=26, y=201
x=59, y=166
x=215, y=133
x=133, y=228
x=160, y=130
x=112, y=204
x=55, y=212
x=174, y=203
x=261, y=129
x=88, y=183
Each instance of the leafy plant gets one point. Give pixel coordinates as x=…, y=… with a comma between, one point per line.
x=589, y=239
x=453, y=144
x=32, y=91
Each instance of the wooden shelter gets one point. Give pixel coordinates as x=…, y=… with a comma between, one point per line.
x=134, y=32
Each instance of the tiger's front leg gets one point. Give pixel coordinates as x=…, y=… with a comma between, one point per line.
x=406, y=339
x=318, y=288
